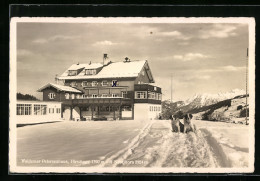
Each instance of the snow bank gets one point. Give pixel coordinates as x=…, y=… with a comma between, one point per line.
x=232, y=141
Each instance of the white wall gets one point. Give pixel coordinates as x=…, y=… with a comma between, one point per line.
x=143, y=111
x=66, y=113
x=32, y=118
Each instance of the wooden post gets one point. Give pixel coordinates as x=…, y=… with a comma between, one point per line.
x=92, y=113
x=71, y=112
x=80, y=113
x=120, y=111
x=132, y=111
x=114, y=117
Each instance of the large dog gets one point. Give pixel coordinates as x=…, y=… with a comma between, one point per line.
x=188, y=125
x=177, y=126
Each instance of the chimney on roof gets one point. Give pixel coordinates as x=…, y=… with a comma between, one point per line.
x=105, y=59
x=89, y=62
x=78, y=63
x=56, y=79
x=127, y=59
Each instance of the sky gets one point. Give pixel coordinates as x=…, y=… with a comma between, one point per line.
x=201, y=58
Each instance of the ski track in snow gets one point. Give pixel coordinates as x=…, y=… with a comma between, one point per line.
x=157, y=146
x=128, y=150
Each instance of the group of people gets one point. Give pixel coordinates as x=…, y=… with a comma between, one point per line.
x=185, y=127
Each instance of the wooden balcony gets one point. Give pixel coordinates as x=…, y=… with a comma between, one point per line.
x=147, y=87
x=98, y=101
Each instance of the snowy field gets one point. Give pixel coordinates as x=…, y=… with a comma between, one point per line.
x=132, y=144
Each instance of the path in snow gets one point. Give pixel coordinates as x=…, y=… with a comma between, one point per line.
x=157, y=146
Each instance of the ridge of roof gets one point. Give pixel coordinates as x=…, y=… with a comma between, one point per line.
x=112, y=70
x=60, y=87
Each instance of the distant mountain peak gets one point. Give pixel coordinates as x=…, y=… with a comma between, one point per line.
x=208, y=99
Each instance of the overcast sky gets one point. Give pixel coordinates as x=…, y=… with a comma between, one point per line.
x=202, y=58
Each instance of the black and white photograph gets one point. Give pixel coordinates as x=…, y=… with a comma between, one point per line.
x=132, y=95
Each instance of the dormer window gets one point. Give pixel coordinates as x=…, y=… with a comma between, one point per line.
x=90, y=71
x=104, y=83
x=84, y=84
x=94, y=83
x=72, y=72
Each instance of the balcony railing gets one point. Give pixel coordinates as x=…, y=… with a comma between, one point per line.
x=99, y=100
x=147, y=87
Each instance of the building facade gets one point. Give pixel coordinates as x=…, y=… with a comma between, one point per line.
x=112, y=90
x=37, y=111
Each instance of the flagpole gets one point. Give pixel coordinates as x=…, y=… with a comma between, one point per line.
x=171, y=87
x=246, y=82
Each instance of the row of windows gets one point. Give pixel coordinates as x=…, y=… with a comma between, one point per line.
x=87, y=72
x=151, y=95
x=108, y=108
x=104, y=83
x=52, y=110
x=73, y=96
x=38, y=109
x=155, y=108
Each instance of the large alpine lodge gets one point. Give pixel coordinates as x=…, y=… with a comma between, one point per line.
x=106, y=91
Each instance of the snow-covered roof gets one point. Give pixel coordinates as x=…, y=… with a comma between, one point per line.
x=112, y=70
x=86, y=66
x=60, y=87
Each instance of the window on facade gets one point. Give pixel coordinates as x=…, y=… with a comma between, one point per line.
x=84, y=84
x=37, y=109
x=84, y=96
x=43, y=109
x=78, y=96
x=72, y=72
x=160, y=96
x=124, y=94
x=155, y=88
x=104, y=83
x=73, y=84
x=24, y=109
x=90, y=71
x=94, y=83
x=72, y=96
x=40, y=109
x=104, y=95
x=51, y=95
x=143, y=72
x=151, y=95
x=140, y=95
x=67, y=96
x=57, y=110
x=126, y=108
x=51, y=110
x=114, y=95
x=94, y=95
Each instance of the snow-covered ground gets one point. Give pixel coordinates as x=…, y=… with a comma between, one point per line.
x=133, y=144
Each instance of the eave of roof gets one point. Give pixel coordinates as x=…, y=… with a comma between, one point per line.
x=112, y=70
x=60, y=88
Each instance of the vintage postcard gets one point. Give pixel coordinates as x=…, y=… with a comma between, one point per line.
x=132, y=95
